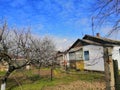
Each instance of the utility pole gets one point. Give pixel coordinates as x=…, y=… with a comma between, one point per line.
x=92, y=26
x=109, y=68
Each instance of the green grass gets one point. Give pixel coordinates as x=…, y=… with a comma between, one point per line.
x=2, y=73
x=36, y=85
x=29, y=80
x=119, y=72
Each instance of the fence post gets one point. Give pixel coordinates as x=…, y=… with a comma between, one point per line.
x=116, y=73
x=51, y=73
x=109, y=70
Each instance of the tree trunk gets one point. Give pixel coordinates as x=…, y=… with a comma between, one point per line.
x=39, y=71
x=39, y=67
x=4, y=80
x=3, y=86
x=51, y=76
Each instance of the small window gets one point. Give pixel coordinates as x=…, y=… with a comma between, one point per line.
x=79, y=55
x=119, y=51
x=86, y=55
x=72, y=56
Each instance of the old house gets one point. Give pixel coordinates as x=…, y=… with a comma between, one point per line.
x=3, y=66
x=15, y=61
x=60, y=57
x=87, y=53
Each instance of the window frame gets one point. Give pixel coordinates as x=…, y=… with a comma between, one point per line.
x=72, y=54
x=86, y=55
x=79, y=55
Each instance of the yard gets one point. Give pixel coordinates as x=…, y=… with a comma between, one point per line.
x=73, y=80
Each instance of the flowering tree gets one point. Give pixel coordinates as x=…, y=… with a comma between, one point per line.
x=43, y=51
x=12, y=45
x=20, y=43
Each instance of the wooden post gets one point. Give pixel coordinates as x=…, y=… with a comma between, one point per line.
x=109, y=69
x=51, y=75
x=116, y=73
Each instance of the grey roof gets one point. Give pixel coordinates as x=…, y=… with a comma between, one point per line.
x=101, y=40
x=93, y=40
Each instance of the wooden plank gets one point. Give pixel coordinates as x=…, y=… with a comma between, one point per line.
x=109, y=70
x=116, y=75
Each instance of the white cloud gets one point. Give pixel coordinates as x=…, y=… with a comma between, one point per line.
x=105, y=31
x=39, y=26
x=63, y=43
x=65, y=40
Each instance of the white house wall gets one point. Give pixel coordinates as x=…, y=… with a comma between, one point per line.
x=116, y=55
x=96, y=61
x=67, y=59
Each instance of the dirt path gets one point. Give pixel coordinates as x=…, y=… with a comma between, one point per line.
x=79, y=85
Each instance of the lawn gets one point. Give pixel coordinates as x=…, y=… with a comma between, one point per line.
x=30, y=80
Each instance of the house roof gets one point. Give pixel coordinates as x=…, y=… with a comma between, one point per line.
x=59, y=53
x=101, y=40
x=75, y=49
x=93, y=40
x=83, y=42
x=77, y=41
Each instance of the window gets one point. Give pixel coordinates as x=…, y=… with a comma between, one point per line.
x=72, y=56
x=79, y=55
x=86, y=55
x=119, y=51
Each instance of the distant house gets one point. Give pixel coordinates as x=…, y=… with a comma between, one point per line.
x=62, y=59
x=87, y=53
x=22, y=61
x=16, y=62
x=59, y=56
x=3, y=66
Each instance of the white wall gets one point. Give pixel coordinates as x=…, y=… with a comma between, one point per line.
x=96, y=61
x=116, y=55
x=67, y=59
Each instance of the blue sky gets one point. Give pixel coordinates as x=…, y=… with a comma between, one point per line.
x=64, y=20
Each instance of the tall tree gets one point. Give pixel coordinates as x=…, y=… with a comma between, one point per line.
x=15, y=43
x=12, y=45
x=43, y=51
x=107, y=11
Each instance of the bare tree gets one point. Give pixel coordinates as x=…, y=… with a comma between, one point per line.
x=49, y=49
x=107, y=11
x=43, y=51
x=17, y=43
x=12, y=47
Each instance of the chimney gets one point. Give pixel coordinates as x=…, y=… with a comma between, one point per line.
x=97, y=34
